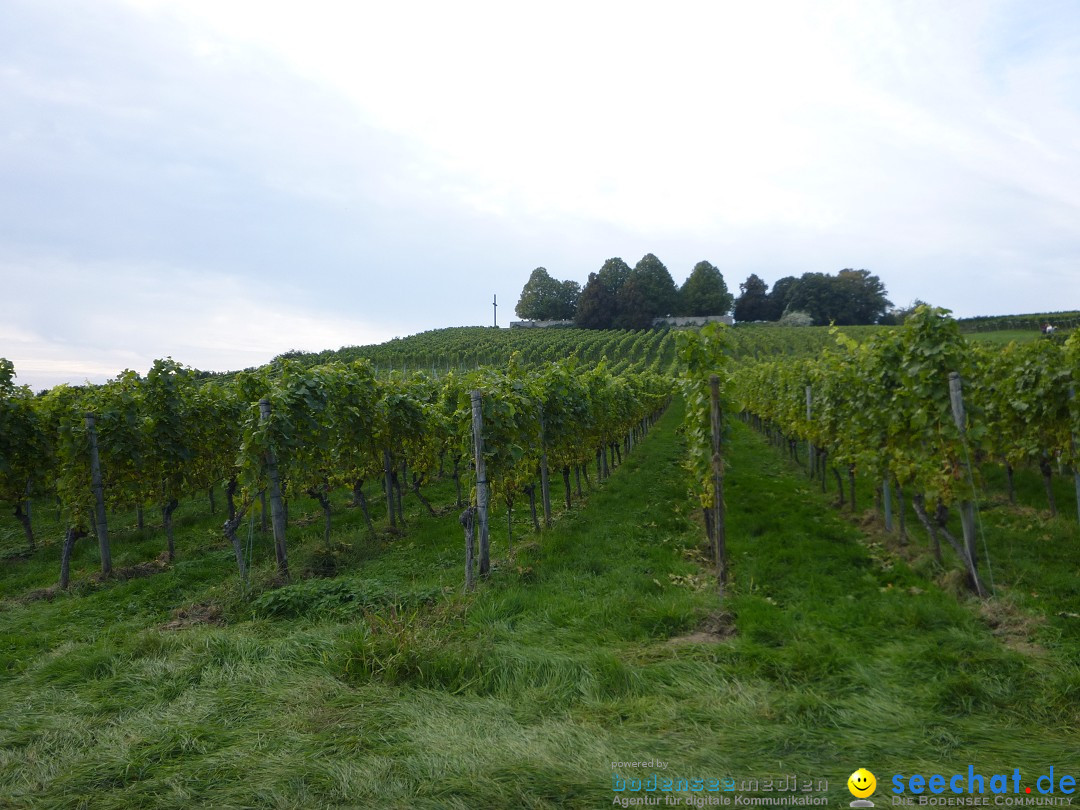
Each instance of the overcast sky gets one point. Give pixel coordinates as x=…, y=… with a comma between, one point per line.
x=223, y=181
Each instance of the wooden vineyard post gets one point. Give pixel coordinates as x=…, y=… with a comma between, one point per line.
x=388, y=481
x=956, y=398
x=902, y=512
x=967, y=508
x=100, y=521
x=29, y=524
x=277, y=509
x=718, y=538
x=24, y=514
x=809, y=444
x=887, y=498
x=482, y=492
x=468, y=522
x=1074, y=441
x=545, y=488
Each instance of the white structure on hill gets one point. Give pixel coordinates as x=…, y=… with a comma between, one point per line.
x=682, y=320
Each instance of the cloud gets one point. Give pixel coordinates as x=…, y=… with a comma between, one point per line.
x=113, y=317
x=387, y=167
x=665, y=120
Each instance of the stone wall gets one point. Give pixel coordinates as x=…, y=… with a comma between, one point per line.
x=538, y=324
x=688, y=320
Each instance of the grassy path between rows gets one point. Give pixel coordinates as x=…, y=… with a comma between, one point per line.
x=591, y=644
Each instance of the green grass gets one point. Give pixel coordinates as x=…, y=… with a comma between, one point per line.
x=1034, y=558
x=386, y=686
x=1030, y=491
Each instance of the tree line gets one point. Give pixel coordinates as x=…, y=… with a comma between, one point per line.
x=624, y=297
x=850, y=297
x=621, y=297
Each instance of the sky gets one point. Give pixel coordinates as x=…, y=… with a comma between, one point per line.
x=220, y=181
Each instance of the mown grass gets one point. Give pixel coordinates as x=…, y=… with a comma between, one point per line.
x=1035, y=545
x=386, y=686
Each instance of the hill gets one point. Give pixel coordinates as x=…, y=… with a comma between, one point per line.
x=468, y=347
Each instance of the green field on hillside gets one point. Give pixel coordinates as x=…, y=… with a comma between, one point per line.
x=460, y=349
x=1003, y=336
x=371, y=680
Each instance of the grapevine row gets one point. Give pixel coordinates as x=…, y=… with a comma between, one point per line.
x=886, y=408
x=306, y=430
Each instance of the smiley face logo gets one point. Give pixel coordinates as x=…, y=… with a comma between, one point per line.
x=861, y=783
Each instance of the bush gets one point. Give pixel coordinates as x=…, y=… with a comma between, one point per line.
x=797, y=319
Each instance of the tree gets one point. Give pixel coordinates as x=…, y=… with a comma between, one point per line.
x=817, y=294
x=596, y=305
x=649, y=292
x=780, y=296
x=540, y=297
x=898, y=315
x=657, y=285
x=634, y=307
x=753, y=301
x=613, y=274
x=704, y=292
x=850, y=297
x=567, y=301
x=863, y=294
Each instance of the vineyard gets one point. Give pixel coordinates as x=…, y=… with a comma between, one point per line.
x=312, y=430
x=467, y=348
x=473, y=567
x=312, y=424
x=464, y=349
x=924, y=411
x=1033, y=323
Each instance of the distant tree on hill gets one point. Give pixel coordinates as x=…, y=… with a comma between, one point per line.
x=704, y=292
x=658, y=284
x=544, y=298
x=779, y=297
x=897, y=315
x=753, y=301
x=613, y=274
x=649, y=292
x=634, y=308
x=569, y=293
x=537, y=296
x=864, y=295
x=596, y=305
x=850, y=297
x=815, y=294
